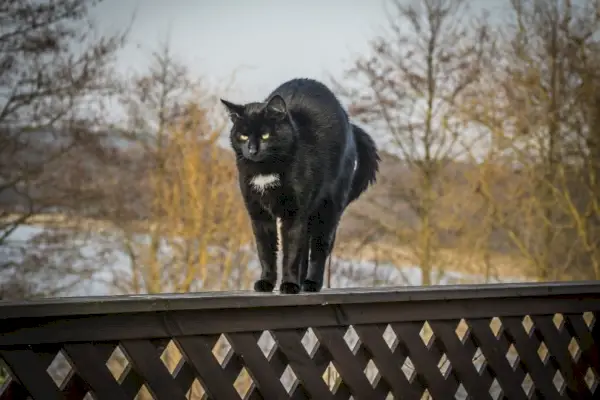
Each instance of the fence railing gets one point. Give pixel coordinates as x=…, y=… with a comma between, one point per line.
x=513, y=341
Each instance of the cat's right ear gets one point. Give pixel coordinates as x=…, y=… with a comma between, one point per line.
x=235, y=111
x=276, y=108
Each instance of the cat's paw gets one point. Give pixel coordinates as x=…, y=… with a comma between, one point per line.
x=262, y=285
x=311, y=286
x=289, y=288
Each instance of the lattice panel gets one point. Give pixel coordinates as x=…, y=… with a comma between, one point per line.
x=538, y=356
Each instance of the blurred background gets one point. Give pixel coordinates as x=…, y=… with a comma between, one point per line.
x=116, y=175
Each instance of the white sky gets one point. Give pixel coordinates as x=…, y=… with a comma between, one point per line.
x=273, y=40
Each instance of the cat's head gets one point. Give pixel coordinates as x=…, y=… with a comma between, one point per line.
x=261, y=132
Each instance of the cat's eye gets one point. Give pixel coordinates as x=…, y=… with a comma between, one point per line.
x=265, y=136
x=243, y=138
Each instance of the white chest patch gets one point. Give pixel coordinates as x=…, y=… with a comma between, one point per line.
x=261, y=183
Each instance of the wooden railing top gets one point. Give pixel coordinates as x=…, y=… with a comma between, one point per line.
x=517, y=341
x=69, y=306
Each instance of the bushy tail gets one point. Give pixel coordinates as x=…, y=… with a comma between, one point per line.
x=368, y=163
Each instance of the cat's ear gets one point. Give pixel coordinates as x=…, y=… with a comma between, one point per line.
x=235, y=111
x=276, y=108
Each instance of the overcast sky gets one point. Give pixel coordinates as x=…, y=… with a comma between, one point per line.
x=272, y=40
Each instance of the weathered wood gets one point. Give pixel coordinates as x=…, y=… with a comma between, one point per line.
x=372, y=336
x=148, y=364
x=527, y=350
x=91, y=366
x=559, y=348
x=257, y=365
x=88, y=330
x=425, y=363
x=73, y=306
x=303, y=366
x=28, y=368
x=75, y=386
x=590, y=350
x=11, y=389
x=131, y=381
x=462, y=362
x=495, y=354
x=197, y=351
x=109, y=327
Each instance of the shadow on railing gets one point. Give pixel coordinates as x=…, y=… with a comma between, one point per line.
x=512, y=341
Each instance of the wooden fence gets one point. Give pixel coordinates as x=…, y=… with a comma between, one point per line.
x=513, y=341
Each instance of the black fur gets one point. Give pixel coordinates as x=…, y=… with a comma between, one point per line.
x=301, y=133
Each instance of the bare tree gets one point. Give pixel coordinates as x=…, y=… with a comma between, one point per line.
x=406, y=91
x=187, y=230
x=54, y=73
x=538, y=115
x=580, y=180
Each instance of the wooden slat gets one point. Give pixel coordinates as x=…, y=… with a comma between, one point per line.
x=345, y=361
x=529, y=356
x=47, y=352
x=422, y=359
x=436, y=351
x=13, y=390
x=276, y=358
x=401, y=355
x=461, y=362
x=257, y=365
x=184, y=374
x=474, y=353
x=131, y=381
x=278, y=363
x=147, y=363
x=290, y=344
x=495, y=354
x=362, y=357
x=92, y=368
x=590, y=351
x=72, y=386
x=197, y=351
x=389, y=367
x=559, y=349
x=232, y=366
x=321, y=358
x=189, y=323
x=76, y=387
x=26, y=365
x=596, y=338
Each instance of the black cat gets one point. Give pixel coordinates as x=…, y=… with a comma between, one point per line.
x=301, y=161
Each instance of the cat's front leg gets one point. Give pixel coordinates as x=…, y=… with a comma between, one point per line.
x=294, y=234
x=265, y=233
x=323, y=229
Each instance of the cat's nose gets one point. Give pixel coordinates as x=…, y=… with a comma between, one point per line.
x=252, y=150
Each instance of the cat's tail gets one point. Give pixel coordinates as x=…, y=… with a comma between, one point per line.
x=368, y=163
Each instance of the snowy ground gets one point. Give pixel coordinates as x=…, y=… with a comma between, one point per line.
x=347, y=273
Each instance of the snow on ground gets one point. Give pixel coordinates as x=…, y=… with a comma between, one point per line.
x=346, y=273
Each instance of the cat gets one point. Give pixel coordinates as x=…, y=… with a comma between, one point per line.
x=301, y=161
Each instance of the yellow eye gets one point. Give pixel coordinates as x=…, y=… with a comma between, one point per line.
x=265, y=136
x=243, y=138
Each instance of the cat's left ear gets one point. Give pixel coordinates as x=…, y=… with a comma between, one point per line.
x=276, y=108
x=235, y=111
